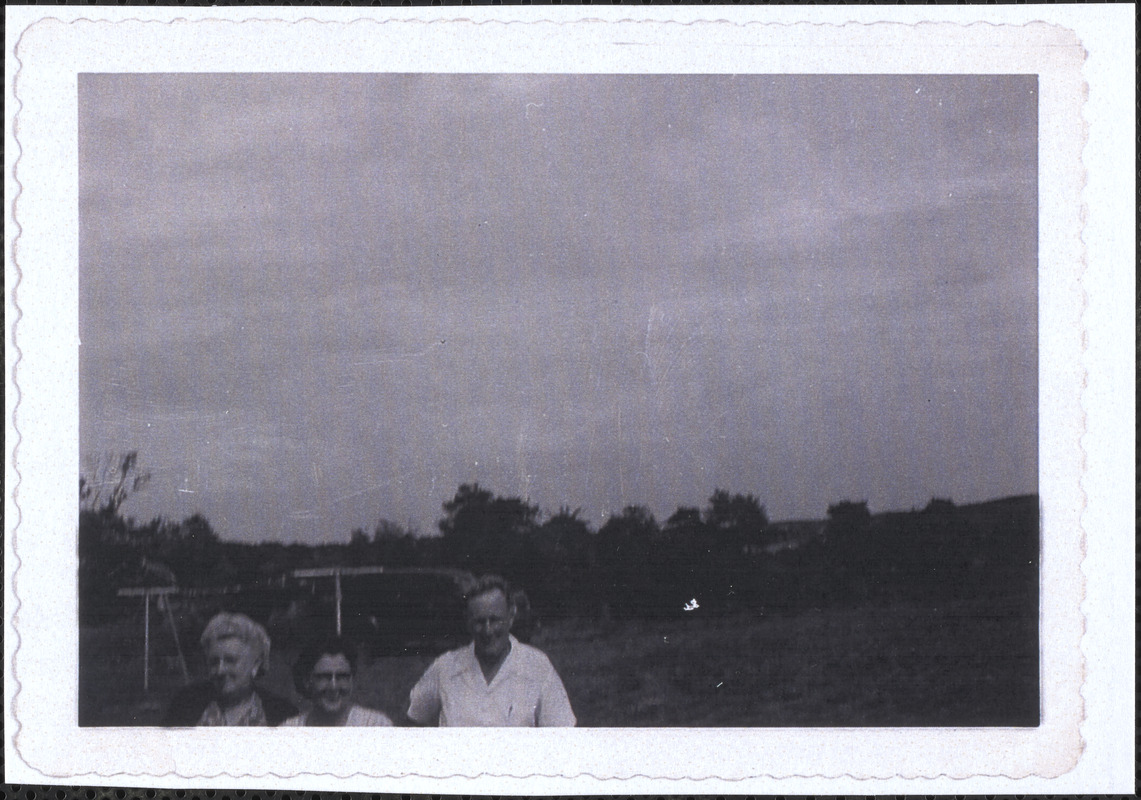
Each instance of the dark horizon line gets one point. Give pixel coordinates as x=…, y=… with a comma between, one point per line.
x=436, y=534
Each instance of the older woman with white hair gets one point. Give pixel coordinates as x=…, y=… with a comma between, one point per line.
x=237, y=652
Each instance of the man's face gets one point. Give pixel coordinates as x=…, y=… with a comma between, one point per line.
x=489, y=619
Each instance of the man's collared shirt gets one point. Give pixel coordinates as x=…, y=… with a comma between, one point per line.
x=526, y=692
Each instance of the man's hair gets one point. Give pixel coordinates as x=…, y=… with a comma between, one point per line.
x=489, y=583
x=314, y=652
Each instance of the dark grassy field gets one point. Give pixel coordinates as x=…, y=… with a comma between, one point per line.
x=966, y=663
x=898, y=666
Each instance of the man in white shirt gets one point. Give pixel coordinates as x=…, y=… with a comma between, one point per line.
x=494, y=681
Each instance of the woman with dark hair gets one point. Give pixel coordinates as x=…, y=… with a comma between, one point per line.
x=237, y=652
x=324, y=675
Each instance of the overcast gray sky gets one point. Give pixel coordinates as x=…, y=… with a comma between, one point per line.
x=312, y=301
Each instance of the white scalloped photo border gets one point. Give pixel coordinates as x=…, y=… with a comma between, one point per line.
x=43, y=744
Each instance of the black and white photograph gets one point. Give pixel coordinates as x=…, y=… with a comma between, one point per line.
x=732, y=380
x=722, y=415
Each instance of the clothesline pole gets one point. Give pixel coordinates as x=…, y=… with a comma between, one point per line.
x=337, y=582
x=165, y=606
x=146, y=641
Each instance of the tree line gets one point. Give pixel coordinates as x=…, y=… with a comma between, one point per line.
x=720, y=558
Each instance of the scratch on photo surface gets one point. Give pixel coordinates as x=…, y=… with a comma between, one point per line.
x=397, y=357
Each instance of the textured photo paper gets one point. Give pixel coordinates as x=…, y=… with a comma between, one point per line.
x=593, y=272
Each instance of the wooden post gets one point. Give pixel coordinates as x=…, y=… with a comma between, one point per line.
x=337, y=582
x=146, y=641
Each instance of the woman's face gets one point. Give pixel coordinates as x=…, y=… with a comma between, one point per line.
x=232, y=665
x=331, y=683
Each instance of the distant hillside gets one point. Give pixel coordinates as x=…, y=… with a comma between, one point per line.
x=942, y=553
